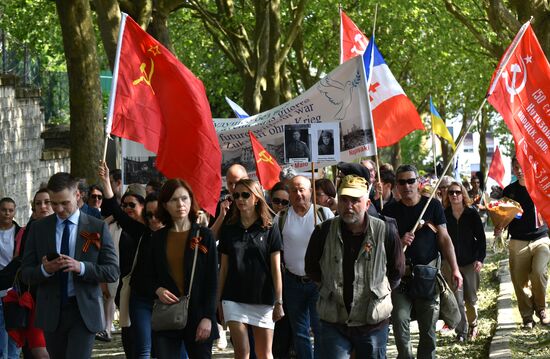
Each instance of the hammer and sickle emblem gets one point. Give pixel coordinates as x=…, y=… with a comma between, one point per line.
x=146, y=77
x=360, y=45
x=511, y=87
x=265, y=157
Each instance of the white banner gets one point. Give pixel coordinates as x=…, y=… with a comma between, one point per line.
x=339, y=98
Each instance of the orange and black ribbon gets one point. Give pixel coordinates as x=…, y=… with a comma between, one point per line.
x=196, y=241
x=91, y=238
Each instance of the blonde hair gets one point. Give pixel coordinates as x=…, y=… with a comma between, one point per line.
x=466, y=201
x=262, y=208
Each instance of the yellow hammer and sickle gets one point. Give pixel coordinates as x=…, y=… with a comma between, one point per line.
x=146, y=78
x=265, y=157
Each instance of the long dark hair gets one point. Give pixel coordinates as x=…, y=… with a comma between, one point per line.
x=166, y=193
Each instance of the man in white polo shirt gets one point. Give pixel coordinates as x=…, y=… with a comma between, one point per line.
x=300, y=293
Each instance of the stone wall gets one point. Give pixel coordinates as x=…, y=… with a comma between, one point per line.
x=24, y=161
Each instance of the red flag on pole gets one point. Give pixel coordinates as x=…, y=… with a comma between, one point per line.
x=394, y=115
x=496, y=170
x=520, y=92
x=160, y=103
x=352, y=41
x=267, y=168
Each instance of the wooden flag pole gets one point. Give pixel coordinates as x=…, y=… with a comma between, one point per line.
x=478, y=113
x=314, y=193
x=105, y=147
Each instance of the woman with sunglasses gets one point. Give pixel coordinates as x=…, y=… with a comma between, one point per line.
x=173, y=254
x=279, y=197
x=135, y=238
x=466, y=231
x=250, y=284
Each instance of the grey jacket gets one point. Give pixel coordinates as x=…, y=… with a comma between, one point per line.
x=101, y=265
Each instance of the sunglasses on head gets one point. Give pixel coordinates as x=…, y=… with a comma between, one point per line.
x=132, y=205
x=403, y=182
x=452, y=193
x=244, y=195
x=96, y=196
x=280, y=201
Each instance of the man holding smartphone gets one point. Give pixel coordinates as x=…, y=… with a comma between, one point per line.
x=67, y=255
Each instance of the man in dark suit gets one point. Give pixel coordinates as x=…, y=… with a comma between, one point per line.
x=67, y=255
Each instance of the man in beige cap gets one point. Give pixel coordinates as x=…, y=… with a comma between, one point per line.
x=356, y=260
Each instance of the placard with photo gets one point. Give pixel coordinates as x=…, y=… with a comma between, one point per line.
x=297, y=143
x=326, y=144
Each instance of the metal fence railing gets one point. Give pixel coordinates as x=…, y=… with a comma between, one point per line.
x=16, y=59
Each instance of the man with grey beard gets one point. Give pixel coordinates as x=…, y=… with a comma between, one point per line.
x=356, y=260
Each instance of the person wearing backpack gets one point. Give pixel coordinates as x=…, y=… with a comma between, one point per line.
x=300, y=292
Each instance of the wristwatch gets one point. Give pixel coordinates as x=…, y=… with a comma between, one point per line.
x=278, y=301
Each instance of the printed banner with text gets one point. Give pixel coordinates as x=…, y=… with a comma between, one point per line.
x=339, y=100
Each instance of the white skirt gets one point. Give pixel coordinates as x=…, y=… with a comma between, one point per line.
x=258, y=315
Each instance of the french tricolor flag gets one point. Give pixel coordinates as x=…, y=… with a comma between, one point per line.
x=394, y=115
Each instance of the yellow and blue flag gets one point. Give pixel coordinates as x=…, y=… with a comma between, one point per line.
x=439, y=127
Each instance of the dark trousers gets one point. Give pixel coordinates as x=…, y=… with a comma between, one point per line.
x=71, y=339
x=171, y=347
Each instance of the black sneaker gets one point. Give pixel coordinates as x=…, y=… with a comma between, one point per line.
x=528, y=325
x=103, y=336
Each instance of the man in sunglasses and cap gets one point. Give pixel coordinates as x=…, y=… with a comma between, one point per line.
x=423, y=248
x=356, y=260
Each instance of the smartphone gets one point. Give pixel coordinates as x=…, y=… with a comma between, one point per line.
x=51, y=256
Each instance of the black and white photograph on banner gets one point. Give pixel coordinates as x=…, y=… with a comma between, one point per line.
x=297, y=143
x=327, y=146
x=138, y=164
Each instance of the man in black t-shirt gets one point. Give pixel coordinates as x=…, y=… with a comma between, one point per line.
x=423, y=247
x=529, y=253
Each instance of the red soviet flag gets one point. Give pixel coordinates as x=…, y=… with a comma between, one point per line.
x=352, y=41
x=496, y=170
x=520, y=90
x=160, y=103
x=267, y=169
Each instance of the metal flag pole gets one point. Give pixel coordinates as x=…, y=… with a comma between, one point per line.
x=418, y=222
x=314, y=193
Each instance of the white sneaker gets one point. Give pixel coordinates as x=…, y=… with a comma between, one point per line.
x=222, y=341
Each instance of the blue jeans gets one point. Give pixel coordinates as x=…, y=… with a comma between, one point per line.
x=8, y=348
x=335, y=344
x=140, y=317
x=301, y=301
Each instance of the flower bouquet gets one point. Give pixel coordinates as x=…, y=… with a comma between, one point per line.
x=502, y=212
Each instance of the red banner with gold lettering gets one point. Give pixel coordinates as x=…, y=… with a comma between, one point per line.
x=520, y=92
x=267, y=168
x=160, y=103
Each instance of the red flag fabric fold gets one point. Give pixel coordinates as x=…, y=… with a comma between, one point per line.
x=161, y=104
x=496, y=170
x=520, y=92
x=267, y=168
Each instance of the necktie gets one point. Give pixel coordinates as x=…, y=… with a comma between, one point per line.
x=64, y=276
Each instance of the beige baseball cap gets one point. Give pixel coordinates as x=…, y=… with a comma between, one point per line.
x=353, y=186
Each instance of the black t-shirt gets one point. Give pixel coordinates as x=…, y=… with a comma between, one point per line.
x=525, y=227
x=424, y=247
x=249, y=252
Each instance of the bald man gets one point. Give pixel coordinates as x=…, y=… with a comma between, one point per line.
x=234, y=174
x=300, y=292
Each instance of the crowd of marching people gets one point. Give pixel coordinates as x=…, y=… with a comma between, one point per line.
x=340, y=260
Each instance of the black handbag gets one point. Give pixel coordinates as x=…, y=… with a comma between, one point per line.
x=16, y=316
x=422, y=284
x=173, y=316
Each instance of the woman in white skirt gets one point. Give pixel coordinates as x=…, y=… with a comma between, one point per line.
x=250, y=284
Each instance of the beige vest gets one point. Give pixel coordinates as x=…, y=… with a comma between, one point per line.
x=371, y=288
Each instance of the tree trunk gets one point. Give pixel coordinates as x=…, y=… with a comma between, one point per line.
x=108, y=17
x=396, y=155
x=158, y=28
x=483, y=126
x=79, y=43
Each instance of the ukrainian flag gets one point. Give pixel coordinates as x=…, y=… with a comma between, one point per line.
x=439, y=127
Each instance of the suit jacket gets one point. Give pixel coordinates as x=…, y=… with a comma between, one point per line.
x=202, y=303
x=101, y=265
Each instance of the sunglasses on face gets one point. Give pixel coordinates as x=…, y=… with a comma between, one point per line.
x=403, y=182
x=132, y=205
x=453, y=193
x=244, y=195
x=279, y=201
x=96, y=196
x=150, y=215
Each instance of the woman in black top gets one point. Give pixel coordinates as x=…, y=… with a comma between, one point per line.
x=466, y=231
x=136, y=235
x=250, y=284
x=173, y=252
